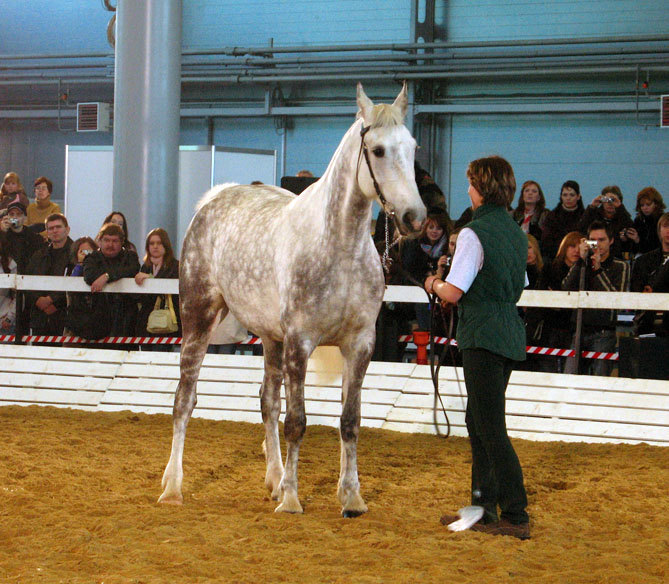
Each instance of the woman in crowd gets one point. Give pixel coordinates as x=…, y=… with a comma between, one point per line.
x=43, y=206
x=531, y=211
x=421, y=256
x=533, y=316
x=79, y=304
x=642, y=236
x=563, y=219
x=81, y=248
x=557, y=328
x=7, y=296
x=118, y=218
x=159, y=262
x=11, y=186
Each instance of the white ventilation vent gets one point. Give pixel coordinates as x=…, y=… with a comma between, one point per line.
x=93, y=117
x=664, y=111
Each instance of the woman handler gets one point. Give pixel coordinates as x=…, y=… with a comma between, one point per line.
x=486, y=280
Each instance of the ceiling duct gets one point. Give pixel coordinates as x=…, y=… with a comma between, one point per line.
x=93, y=117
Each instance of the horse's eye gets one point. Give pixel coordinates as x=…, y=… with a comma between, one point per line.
x=379, y=151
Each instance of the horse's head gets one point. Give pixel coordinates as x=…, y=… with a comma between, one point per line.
x=386, y=162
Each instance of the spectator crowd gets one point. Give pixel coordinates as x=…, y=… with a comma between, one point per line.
x=570, y=247
x=34, y=240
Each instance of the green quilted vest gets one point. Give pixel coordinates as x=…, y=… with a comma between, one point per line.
x=487, y=312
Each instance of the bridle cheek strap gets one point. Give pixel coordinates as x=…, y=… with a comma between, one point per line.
x=364, y=150
x=387, y=209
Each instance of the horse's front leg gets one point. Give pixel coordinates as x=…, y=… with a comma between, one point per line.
x=270, y=406
x=356, y=359
x=295, y=355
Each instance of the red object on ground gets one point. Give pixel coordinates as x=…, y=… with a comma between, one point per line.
x=421, y=339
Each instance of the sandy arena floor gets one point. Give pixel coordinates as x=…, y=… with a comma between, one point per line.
x=79, y=495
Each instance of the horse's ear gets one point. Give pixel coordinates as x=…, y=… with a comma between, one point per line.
x=402, y=100
x=365, y=104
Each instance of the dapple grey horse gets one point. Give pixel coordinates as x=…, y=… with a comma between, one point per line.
x=298, y=271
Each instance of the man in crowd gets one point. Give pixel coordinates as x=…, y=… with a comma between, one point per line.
x=603, y=273
x=48, y=309
x=21, y=242
x=608, y=208
x=108, y=264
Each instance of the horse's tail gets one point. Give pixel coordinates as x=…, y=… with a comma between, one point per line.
x=212, y=193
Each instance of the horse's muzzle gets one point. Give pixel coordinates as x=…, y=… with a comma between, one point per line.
x=410, y=223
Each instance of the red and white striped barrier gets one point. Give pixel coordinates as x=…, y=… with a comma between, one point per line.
x=252, y=340
x=112, y=340
x=530, y=350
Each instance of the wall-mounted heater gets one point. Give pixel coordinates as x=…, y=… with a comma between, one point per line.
x=93, y=117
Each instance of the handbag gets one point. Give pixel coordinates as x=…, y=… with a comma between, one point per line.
x=162, y=320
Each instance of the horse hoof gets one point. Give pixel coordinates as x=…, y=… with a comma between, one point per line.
x=290, y=504
x=351, y=513
x=171, y=499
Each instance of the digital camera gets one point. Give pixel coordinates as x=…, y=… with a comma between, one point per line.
x=86, y=251
x=607, y=199
x=13, y=221
x=591, y=243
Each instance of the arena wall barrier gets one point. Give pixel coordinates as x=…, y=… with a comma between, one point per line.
x=395, y=396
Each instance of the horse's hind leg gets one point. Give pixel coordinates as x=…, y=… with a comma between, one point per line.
x=270, y=406
x=356, y=359
x=198, y=316
x=295, y=355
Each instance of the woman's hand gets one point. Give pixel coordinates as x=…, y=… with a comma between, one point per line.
x=140, y=277
x=429, y=284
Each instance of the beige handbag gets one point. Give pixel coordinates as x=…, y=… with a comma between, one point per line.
x=162, y=320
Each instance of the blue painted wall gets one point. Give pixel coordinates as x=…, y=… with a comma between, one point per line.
x=592, y=149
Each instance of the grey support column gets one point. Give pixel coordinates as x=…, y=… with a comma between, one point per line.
x=147, y=96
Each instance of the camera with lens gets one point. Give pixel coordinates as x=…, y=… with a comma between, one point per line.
x=13, y=221
x=607, y=199
x=87, y=251
x=591, y=243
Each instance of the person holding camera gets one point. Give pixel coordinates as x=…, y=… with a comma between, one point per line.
x=603, y=273
x=21, y=242
x=608, y=208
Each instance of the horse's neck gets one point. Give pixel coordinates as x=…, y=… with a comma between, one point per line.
x=343, y=210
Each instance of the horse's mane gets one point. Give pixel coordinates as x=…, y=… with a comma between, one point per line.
x=385, y=115
x=211, y=194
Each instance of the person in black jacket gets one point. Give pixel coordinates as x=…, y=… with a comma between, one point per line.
x=20, y=241
x=603, y=273
x=608, y=208
x=649, y=274
x=159, y=262
x=48, y=309
x=563, y=219
x=109, y=264
x=642, y=236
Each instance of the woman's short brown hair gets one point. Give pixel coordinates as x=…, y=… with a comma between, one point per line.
x=652, y=195
x=46, y=181
x=493, y=178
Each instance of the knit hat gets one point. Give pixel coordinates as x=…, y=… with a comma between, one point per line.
x=17, y=204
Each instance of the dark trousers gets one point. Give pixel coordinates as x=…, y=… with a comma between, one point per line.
x=497, y=478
